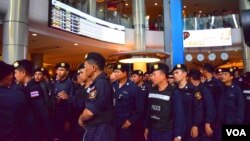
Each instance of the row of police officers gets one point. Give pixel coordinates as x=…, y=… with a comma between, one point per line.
x=94, y=108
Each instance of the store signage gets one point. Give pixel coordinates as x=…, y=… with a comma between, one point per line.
x=208, y=38
x=64, y=17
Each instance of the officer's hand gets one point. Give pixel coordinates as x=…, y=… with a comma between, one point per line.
x=81, y=123
x=208, y=130
x=146, y=134
x=126, y=124
x=194, y=131
x=63, y=95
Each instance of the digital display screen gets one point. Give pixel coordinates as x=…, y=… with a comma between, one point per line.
x=64, y=17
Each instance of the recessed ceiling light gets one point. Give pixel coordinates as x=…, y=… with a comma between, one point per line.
x=156, y=4
x=235, y=50
x=184, y=6
x=75, y=44
x=34, y=34
x=200, y=11
x=126, y=4
x=100, y=10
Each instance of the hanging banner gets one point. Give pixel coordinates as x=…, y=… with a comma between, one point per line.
x=208, y=38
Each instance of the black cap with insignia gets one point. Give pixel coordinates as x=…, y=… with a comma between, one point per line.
x=160, y=66
x=209, y=67
x=63, y=65
x=25, y=65
x=229, y=70
x=5, y=69
x=195, y=74
x=97, y=58
x=180, y=66
x=170, y=75
x=122, y=67
x=138, y=72
x=40, y=69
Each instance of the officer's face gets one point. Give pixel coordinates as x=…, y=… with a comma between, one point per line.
x=19, y=75
x=61, y=73
x=82, y=75
x=112, y=77
x=119, y=75
x=226, y=77
x=170, y=80
x=136, y=78
x=179, y=75
x=89, y=68
x=157, y=77
x=38, y=76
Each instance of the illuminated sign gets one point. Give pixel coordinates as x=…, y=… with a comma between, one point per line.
x=72, y=20
x=208, y=38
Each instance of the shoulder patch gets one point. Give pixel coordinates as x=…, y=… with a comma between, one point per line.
x=198, y=95
x=92, y=94
x=34, y=94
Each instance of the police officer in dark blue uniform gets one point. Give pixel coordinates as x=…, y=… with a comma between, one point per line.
x=238, y=80
x=205, y=129
x=129, y=103
x=39, y=75
x=234, y=107
x=192, y=103
x=218, y=92
x=38, y=121
x=137, y=78
x=161, y=110
x=246, y=92
x=97, y=117
x=12, y=104
x=63, y=92
x=80, y=99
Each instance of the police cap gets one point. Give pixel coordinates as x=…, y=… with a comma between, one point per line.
x=195, y=74
x=40, y=69
x=235, y=68
x=229, y=70
x=96, y=57
x=160, y=66
x=24, y=64
x=138, y=72
x=5, y=69
x=122, y=67
x=170, y=75
x=180, y=66
x=209, y=67
x=63, y=65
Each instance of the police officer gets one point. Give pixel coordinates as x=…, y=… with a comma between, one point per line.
x=234, y=107
x=238, y=80
x=246, y=91
x=12, y=104
x=192, y=102
x=38, y=121
x=97, y=117
x=80, y=99
x=218, y=92
x=160, y=116
x=171, y=79
x=63, y=92
x=129, y=103
x=218, y=72
x=137, y=78
x=205, y=129
x=39, y=75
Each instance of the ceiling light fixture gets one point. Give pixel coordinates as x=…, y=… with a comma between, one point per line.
x=34, y=34
x=184, y=6
x=126, y=4
x=156, y=4
x=75, y=44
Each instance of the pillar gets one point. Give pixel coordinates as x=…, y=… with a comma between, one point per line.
x=15, y=31
x=173, y=31
x=92, y=8
x=245, y=4
x=37, y=59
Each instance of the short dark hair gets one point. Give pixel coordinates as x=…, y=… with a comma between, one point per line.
x=195, y=74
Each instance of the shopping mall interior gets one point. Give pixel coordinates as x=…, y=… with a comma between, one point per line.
x=58, y=45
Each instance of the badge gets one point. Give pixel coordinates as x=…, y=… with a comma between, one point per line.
x=198, y=95
x=42, y=69
x=231, y=70
x=16, y=64
x=92, y=94
x=63, y=64
x=220, y=70
x=178, y=66
x=156, y=66
x=139, y=72
x=119, y=66
x=34, y=94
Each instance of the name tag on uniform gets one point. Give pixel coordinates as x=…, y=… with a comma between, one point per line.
x=248, y=98
x=246, y=91
x=159, y=96
x=34, y=94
